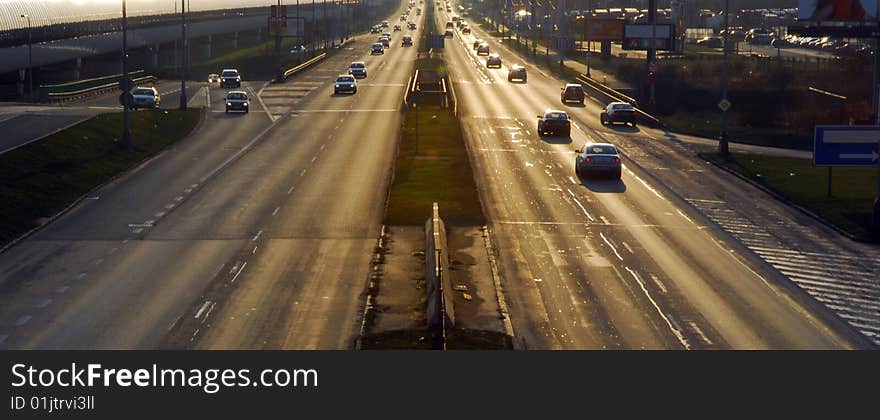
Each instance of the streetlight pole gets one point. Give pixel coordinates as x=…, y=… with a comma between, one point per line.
x=30, y=58
x=723, y=148
x=183, y=58
x=126, y=84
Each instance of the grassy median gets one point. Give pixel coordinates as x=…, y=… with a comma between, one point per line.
x=853, y=189
x=432, y=166
x=42, y=178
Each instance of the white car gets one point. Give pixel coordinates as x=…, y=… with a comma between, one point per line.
x=345, y=83
x=144, y=97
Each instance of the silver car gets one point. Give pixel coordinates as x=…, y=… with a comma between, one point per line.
x=598, y=158
x=144, y=97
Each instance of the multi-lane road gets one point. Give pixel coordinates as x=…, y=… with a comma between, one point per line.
x=257, y=230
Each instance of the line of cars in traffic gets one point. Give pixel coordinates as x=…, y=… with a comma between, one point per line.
x=593, y=157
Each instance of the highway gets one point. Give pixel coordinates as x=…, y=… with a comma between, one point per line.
x=255, y=232
x=602, y=264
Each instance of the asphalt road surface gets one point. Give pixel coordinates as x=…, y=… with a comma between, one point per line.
x=256, y=232
x=607, y=264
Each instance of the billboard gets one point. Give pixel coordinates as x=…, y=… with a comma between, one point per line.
x=638, y=36
x=838, y=10
x=603, y=29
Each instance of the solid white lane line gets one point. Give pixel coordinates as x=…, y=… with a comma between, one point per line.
x=675, y=331
x=611, y=245
x=685, y=216
x=239, y=272
x=644, y=183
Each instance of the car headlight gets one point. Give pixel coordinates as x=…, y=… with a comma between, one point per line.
x=245, y=104
x=229, y=104
x=337, y=85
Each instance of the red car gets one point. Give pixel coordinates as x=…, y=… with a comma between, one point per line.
x=573, y=92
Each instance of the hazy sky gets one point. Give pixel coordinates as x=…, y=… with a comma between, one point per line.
x=55, y=11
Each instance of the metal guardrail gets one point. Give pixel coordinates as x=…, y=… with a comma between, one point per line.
x=94, y=90
x=615, y=96
x=303, y=66
x=410, y=88
x=438, y=283
x=452, y=96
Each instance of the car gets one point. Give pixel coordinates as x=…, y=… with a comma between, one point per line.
x=597, y=157
x=375, y=30
x=483, y=49
x=345, y=83
x=411, y=26
x=230, y=78
x=385, y=41
x=298, y=49
x=213, y=78
x=144, y=97
x=478, y=42
x=384, y=24
x=466, y=30
x=237, y=100
x=711, y=42
x=517, y=72
x=450, y=24
x=406, y=41
x=357, y=69
x=554, y=122
x=572, y=92
x=493, y=60
x=396, y=27
x=387, y=34
x=618, y=112
x=377, y=48
x=448, y=33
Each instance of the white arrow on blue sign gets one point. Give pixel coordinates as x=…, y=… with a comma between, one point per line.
x=846, y=145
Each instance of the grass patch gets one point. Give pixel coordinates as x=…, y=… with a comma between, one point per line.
x=708, y=124
x=42, y=178
x=433, y=166
x=853, y=189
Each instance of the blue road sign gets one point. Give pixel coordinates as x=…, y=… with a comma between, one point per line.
x=437, y=41
x=846, y=145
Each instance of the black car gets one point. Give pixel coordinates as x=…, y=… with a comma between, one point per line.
x=230, y=78
x=237, y=100
x=618, y=112
x=554, y=123
x=493, y=60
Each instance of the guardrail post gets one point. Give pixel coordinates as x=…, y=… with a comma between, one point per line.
x=440, y=312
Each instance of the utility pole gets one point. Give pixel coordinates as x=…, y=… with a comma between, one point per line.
x=723, y=148
x=587, y=17
x=876, y=212
x=30, y=58
x=125, y=83
x=183, y=58
x=277, y=23
x=652, y=50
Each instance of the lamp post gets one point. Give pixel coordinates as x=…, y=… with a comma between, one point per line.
x=723, y=148
x=183, y=57
x=125, y=83
x=30, y=57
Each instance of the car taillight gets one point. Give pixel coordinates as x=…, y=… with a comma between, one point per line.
x=567, y=123
x=588, y=159
x=616, y=159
